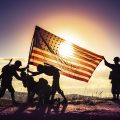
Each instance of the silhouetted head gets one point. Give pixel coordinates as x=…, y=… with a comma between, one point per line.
x=18, y=63
x=43, y=82
x=116, y=60
x=40, y=68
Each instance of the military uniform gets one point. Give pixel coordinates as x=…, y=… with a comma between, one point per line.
x=51, y=71
x=8, y=72
x=115, y=77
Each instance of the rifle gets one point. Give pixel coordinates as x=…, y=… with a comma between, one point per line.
x=10, y=61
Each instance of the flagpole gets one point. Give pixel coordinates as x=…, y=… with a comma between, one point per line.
x=31, y=48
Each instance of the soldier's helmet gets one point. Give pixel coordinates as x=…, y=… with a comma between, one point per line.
x=116, y=59
x=40, y=67
x=18, y=63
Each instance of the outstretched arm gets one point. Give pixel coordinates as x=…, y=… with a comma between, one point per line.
x=17, y=76
x=33, y=73
x=108, y=64
x=23, y=69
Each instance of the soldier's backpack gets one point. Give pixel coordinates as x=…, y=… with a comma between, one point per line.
x=6, y=68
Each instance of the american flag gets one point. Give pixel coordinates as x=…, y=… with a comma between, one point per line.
x=45, y=48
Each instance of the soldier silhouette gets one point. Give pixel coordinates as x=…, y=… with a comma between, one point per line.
x=45, y=90
x=8, y=71
x=115, y=77
x=30, y=84
x=51, y=71
x=41, y=88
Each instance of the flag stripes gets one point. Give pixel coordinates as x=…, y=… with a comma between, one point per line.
x=71, y=59
x=69, y=62
x=86, y=52
x=46, y=49
x=62, y=67
x=64, y=72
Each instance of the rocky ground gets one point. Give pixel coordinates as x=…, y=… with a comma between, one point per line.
x=84, y=108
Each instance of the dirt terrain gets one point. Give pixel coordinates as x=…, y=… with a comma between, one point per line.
x=82, y=109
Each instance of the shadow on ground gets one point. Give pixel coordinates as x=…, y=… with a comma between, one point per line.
x=96, y=109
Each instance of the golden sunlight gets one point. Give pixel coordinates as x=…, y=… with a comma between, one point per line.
x=71, y=37
x=65, y=50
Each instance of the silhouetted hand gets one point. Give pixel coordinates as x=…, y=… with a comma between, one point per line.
x=104, y=59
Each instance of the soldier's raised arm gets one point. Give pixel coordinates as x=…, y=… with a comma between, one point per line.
x=107, y=63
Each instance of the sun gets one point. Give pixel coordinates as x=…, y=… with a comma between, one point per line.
x=70, y=37
x=65, y=49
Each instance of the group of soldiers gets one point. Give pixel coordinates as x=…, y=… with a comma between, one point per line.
x=44, y=91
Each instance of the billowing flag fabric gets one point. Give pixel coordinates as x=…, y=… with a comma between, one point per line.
x=46, y=48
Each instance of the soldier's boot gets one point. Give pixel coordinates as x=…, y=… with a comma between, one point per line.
x=52, y=98
x=2, y=92
x=117, y=96
x=13, y=99
x=114, y=97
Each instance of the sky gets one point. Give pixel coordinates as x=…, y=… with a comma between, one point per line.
x=92, y=24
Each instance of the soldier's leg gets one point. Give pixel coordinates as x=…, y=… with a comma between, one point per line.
x=56, y=78
x=52, y=94
x=41, y=99
x=117, y=90
x=113, y=90
x=3, y=88
x=30, y=97
x=12, y=91
x=118, y=96
x=55, y=84
x=2, y=91
x=47, y=95
x=62, y=94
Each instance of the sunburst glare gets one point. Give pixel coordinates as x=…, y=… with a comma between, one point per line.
x=65, y=50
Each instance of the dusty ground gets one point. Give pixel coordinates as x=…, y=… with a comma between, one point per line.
x=87, y=109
